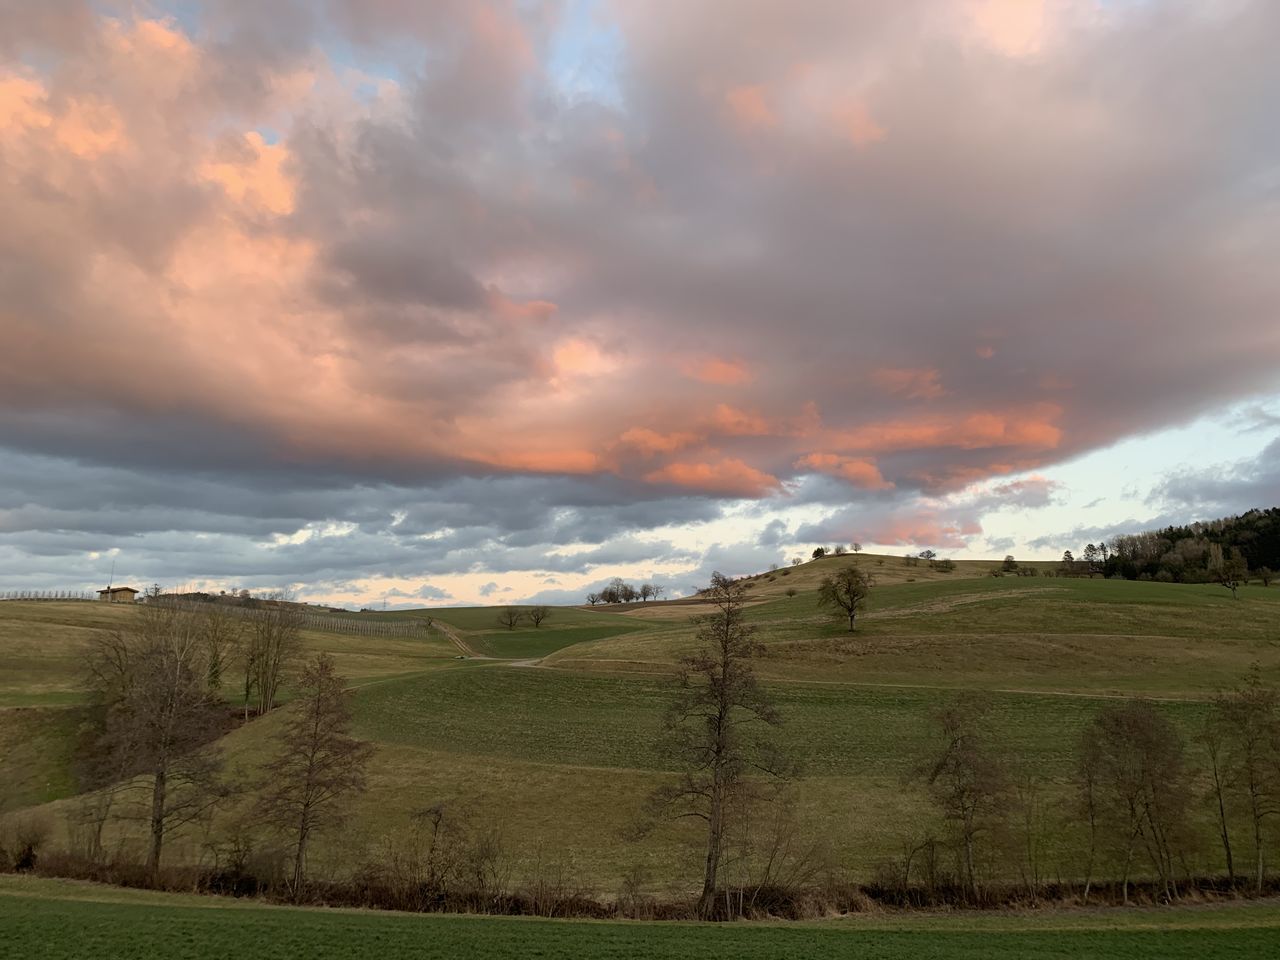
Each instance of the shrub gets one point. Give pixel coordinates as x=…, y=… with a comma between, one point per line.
x=22, y=837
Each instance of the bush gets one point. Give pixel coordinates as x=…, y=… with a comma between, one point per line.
x=792, y=591
x=22, y=838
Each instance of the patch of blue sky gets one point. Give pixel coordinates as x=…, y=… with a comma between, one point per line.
x=586, y=53
x=1118, y=485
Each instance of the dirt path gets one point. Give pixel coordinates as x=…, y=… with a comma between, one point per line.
x=458, y=642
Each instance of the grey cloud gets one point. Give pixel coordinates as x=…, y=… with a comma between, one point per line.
x=1225, y=488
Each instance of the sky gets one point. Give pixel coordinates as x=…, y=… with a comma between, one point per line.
x=474, y=301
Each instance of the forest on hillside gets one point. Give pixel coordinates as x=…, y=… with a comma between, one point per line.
x=1194, y=553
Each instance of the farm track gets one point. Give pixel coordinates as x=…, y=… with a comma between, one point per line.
x=461, y=644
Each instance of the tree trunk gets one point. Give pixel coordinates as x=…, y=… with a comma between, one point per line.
x=300, y=856
x=968, y=864
x=1222, y=824
x=157, y=822
x=715, y=831
x=1257, y=849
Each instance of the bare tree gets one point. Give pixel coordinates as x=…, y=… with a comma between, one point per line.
x=222, y=633
x=593, y=598
x=1212, y=738
x=1133, y=757
x=155, y=719
x=538, y=614
x=845, y=591
x=318, y=767
x=967, y=780
x=1249, y=718
x=510, y=617
x=1230, y=571
x=717, y=733
x=273, y=639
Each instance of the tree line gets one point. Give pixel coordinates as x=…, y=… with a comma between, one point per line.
x=1230, y=551
x=619, y=591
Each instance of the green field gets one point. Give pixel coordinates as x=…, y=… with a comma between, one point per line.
x=44, y=919
x=552, y=739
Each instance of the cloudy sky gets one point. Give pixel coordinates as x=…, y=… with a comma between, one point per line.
x=472, y=301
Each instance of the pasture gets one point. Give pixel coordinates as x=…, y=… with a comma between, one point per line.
x=552, y=742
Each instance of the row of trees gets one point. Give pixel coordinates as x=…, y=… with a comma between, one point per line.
x=157, y=706
x=46, y=595
x=619, y=591
x=1134, y=782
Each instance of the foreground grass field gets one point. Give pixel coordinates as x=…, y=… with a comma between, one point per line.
x=55, y=920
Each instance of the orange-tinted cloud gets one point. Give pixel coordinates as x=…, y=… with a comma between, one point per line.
x=648, y=442
x=923, y=527
x=520, y=311
x=749, y=108
x=252, y=173
x=732, y=422
x=854, y=122
x=860, y=472
x=728, y=477
x=1035, y=428
x=718, y=371
x=1016, y=28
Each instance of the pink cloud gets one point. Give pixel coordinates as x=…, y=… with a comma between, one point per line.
x=749, y=108
x=728, y=477
x=860, y=472
x=854, y=122
x=649, y=442
x=719, y=371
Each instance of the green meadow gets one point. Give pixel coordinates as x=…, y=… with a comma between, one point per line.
x=549, y=735
x=50, y=919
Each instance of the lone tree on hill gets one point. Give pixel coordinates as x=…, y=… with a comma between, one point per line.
x=1230, y=570
x=319, y=764
x=538, y=614
x=509, y=617
x=717, y=734
x=1010, y=565
x=845, y=591
x=819, y=553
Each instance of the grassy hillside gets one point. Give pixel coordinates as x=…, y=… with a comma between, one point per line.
x=552, y=742
x=58, y=919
